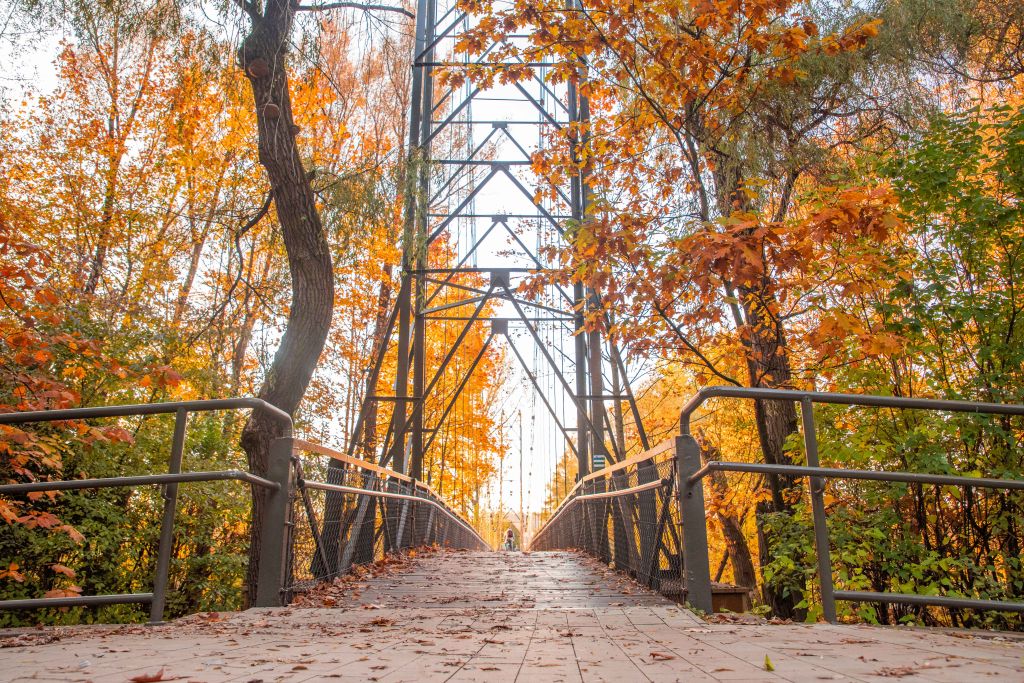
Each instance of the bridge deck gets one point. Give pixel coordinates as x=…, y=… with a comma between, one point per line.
x=497, y=617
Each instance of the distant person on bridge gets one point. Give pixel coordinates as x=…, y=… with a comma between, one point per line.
x=510, y=539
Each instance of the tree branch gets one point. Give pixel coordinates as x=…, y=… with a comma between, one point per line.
x=354, y=5
x=249, y=8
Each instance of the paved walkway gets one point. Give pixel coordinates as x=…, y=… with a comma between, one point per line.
x=497, y=617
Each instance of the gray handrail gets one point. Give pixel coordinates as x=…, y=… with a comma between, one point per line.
x=868, y=400
x=691, y=472
x=139, y=480
x=199, y=406
x=439, y=505
x=271, y=579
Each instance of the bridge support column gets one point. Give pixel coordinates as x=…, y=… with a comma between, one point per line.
x=274, y=529
x=696, y=574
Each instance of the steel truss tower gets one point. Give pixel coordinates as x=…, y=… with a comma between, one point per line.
x=469, y=187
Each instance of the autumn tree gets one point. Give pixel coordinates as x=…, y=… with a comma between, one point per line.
x=704, y=118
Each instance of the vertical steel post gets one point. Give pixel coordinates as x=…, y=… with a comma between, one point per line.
x=821, y=540
x=409, y=241
x=163, y=558
x=425, y=36
x=595, y=365
x=580, y=339
x=596, y=369
x=274, y=531
x=696, y=572
x=403, y=514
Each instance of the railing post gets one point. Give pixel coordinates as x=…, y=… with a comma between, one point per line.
x=274, y=529
x=696, y=572
x=403, y=515
x=821, y=540
x=163, y=558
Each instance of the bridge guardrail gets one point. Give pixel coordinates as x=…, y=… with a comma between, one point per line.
x=274, y=528
x=624, y=515
x=691, y=473
x=418, y=515
x=360, y=511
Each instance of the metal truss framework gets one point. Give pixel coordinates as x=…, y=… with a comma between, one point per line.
x=468, y=187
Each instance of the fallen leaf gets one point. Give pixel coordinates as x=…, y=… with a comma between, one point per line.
x=896, y=671
x=768, y=666
x=661, y=656
x=152, y=678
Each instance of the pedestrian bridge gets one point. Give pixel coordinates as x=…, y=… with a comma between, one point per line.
x=362, y=572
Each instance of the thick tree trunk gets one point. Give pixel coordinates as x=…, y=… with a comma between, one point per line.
x=263, y=56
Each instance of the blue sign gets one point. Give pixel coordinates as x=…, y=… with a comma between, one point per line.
x=598, y=462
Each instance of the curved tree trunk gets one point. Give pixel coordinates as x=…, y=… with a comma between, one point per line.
x=263, y=56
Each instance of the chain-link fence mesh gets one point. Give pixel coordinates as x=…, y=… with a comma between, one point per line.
x=624, y=515
x=346, y=512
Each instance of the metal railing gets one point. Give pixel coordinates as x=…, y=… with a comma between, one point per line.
x=409, y=513
x=691, y=473
x=624, y=515
x=361, y=512
x=276, y=482
x=621, y=514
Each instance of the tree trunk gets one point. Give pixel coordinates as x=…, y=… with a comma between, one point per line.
x=737, y=549
x=768, y=366
x=263, y=55
x=379, y=346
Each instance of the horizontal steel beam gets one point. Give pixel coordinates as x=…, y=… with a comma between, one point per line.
x=317, y=485
x=522, y=216
x=78, y=601
x=870, y=475
x=930, y=600
x=843, y=399
x=140, y=480
x=146, y=409
x=475, y=269
x=482, y=162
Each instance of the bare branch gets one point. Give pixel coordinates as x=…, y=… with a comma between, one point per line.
x=249, y=8
x=354, y=5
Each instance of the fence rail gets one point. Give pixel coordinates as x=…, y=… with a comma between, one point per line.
x=623, y=514
x=680, y=561
x=349, y=511
x=181, y=410
x=410, y=513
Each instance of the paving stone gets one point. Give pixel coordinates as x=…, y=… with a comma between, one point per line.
x=497, y=617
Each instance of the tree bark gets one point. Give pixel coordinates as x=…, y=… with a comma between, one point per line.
x=263, y=55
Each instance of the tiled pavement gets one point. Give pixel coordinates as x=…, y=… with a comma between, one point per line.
x=500, y=617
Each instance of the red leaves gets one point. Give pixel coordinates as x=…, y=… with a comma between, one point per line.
x=61, y=569
x=68, y=592
x=161, y=376
x=12, y=573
